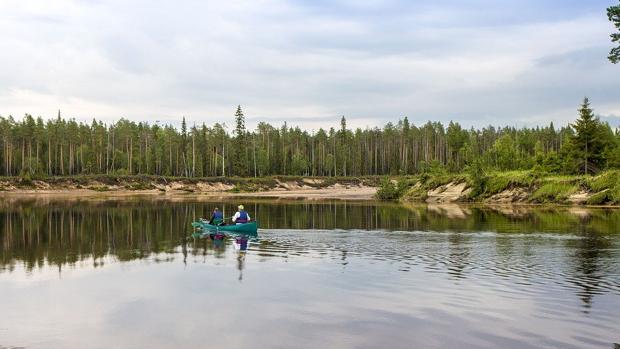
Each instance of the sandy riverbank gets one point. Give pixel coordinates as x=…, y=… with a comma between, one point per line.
x=304, y=188
x=352, y=193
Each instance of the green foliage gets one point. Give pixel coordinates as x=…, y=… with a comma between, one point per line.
x=262, y=162
x=554, y=191
x=240, y=146
x=614, y=195
x=477, y=178
x=553, y=163
x=598, y=198
x=612, y=155
x=121, y=172
x=140, y=185
x=432, y=169
x=505, y=152
x=246, y=188
x=606, y=180
x=298, y=165
x=613, y=13
x=500, y=181
x=403, y=185
x=610, y=196
x=26, y=179
x=434, y=181
x=589, y=142
x=60, y=147
x=539, y=187
x=100, y=188
x=539, y=154
x=606, y=187
x=388, y=190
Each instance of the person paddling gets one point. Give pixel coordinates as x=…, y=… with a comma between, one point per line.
x=241, y=216
x=217, y=217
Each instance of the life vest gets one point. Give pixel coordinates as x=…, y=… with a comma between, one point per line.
x=243, y=217
x=217, y=217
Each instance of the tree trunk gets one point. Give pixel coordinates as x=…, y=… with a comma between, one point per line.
x=49, y=156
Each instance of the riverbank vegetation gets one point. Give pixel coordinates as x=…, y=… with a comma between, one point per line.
x=521, y=186
x=577, y=163
x=33, y=148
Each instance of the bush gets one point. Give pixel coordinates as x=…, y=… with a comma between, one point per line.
x=607, y=180
x=25, y=179
x=477, y=178
x=387, y=190
x=245, y=188
x=598, y=198
x=390, y=191
x=613, y=195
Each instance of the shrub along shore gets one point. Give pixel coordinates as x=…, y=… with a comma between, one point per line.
x=526, y=187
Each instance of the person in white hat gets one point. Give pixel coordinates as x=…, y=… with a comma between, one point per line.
x=241, y=216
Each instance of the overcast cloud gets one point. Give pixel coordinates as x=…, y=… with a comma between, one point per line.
x=513, y=62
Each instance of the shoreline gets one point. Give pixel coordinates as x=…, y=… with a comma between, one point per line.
x=357, y=193
x=349, y=188
x=500, y=189
x=360, y=195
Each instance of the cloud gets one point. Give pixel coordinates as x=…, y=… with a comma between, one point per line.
x=477, y=62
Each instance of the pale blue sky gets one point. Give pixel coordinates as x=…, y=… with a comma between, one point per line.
x=479, y=62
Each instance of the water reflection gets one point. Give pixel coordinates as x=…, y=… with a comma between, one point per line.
x=591, y=255
x=359, y=274
x=506, y=242
x=59, y=233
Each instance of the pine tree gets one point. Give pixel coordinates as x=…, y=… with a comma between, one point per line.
x=587, y=143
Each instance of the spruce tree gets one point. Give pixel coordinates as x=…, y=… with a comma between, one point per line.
x=184, y=146
x=343, y=144
x=239, y=161
x=587, y=143
x=613, y=13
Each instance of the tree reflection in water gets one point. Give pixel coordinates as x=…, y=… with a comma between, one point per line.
x=39, y=232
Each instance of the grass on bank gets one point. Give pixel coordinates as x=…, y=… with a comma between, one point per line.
x=497, y=182
x=603, y=188
x=606, y=187
x=553, y=191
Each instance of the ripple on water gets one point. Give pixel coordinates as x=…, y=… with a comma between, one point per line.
x=487, y=270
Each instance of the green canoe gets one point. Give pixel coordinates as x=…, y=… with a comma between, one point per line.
x=250, y=228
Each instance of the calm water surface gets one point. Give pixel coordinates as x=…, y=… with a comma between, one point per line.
x=125, y=273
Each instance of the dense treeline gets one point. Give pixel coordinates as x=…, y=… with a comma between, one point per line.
x=34, y=146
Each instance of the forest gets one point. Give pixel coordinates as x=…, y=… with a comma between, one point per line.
x=37, y=147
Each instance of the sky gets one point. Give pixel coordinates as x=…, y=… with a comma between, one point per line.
x=478, y=62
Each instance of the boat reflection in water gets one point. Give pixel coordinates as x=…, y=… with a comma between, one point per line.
x=219, y=241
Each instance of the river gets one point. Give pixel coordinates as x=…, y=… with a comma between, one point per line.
x=126, y=273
